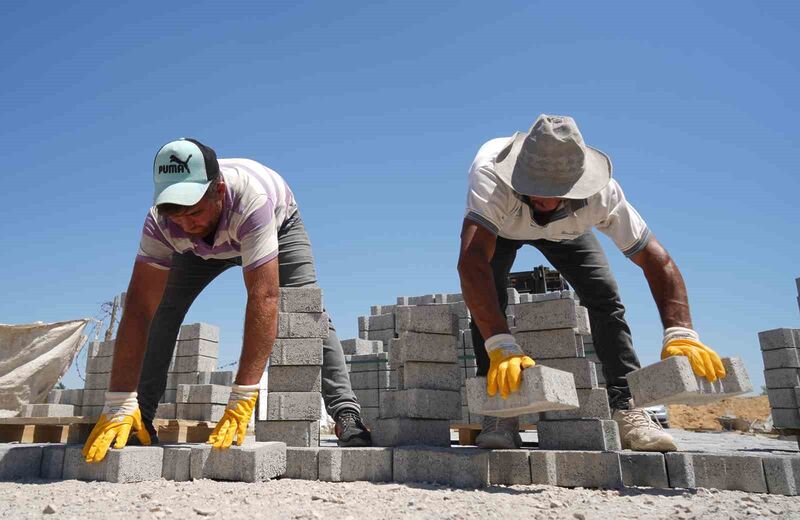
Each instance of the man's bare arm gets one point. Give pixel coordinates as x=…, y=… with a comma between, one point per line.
x=477, y=280
x=666, y=284
x=260, y=322
x=141, y=301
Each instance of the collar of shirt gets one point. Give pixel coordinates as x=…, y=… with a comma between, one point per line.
x=566, y=208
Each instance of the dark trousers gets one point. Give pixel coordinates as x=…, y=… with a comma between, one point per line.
x=190, y=274
x=584, y=265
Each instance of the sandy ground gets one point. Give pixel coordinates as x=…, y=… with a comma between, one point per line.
x=704, y=417
x=297, y=499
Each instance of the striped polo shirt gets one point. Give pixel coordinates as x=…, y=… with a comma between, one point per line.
x=257, y=203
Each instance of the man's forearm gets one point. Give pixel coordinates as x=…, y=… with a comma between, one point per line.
x=669, y=292
x=477, y=286
x=260, y=329
x=129, y=349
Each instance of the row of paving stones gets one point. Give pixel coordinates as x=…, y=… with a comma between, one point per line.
x=458, y=467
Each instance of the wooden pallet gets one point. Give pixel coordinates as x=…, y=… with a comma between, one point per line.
x=468, y=432
x=182, y=430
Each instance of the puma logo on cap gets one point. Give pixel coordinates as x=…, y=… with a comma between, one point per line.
x=180, y=167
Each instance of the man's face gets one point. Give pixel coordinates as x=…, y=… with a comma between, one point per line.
x=201, y=219
x=545, y=204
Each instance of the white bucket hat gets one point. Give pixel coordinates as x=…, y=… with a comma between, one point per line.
x=552, y=160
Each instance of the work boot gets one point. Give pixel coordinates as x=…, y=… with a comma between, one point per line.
x=638, y=431
x=350, y=430
x=133, y=440
x=499, y=433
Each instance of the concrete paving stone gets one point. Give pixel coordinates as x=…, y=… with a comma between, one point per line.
x=371, y=380
x=368, y=362
x=782, y=377
x=99, y=365
x=416, y=346
x=100, y=349
x=509, y=467
x=555, y=343
x=167, y=411
x=300, y=299
x=20, y=461
x=672, y=381
x=729, y=471
x=421, y=404
x=55, y=397
x=579, y=434
x=353, y=464
x=291, y=433
x=588, y=469
x=402, y=431
x=222, y=377
x=459, y=309
x=293, y=406
x=197, y=347
x=208, y=394
x=295, y=379
x=512, y=295
x=363, y=323
x=91, y=411
x=543, y=467
x=779, y=339
x=303, y=325
x=783, y=397
x=644, y=469
x=782, y=475
x=369, y=397
x=434, y=319
x=375, y=310
x=786, y=417
x=381, y=322
x=592, y=404
x=195, y=364
x=251, y=462
x=177, y=462
x=425, y=299
x=781, y=358
x=456, y=467
x=199, y=331
x=199, y=411
x=462, y=324
x=542, y=388
x=52, y=467
x=97, y=381
x=302, y=463
x=431, y=376
x=181, y=378
x=170, y=396
x=94, y=398
x=47, y=410
x=583, y=371
x=384, y=336
x=358, y=346
x=296, y=352
x=555, y=314
x=73, y=396
x=129, y=464
x=370, y=415
x=182, y=394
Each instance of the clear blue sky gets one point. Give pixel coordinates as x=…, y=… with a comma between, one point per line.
x=373, y=113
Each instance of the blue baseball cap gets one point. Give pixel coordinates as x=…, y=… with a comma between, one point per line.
x=182, y=171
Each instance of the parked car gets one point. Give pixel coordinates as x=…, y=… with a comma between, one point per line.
x=659, y=413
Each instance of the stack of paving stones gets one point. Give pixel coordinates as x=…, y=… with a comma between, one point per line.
x=201, y=402
x=295, y=367
x=196, y=352
x=71, y=397
x=99, y=358
x=428, y=378
x=370, y=376
x=780, y=349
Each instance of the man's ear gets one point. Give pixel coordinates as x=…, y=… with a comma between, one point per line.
x=220, y=187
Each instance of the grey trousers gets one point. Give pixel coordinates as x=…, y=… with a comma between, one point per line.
x=584, y=265
x=190, y=274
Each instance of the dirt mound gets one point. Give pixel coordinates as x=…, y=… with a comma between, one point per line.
x=704, y=417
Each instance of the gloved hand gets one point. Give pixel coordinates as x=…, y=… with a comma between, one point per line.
x=506, y=361
x=236, y=417
x=680, y=341
x=120, y=416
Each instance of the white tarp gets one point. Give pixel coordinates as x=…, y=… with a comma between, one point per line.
x=34, y=357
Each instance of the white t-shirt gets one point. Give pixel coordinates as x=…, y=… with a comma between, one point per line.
x=257, y=203
x=494, y=205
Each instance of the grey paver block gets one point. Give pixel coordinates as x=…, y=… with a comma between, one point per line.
x=421, y=404
x=300, y=299
x=401, y=431
x=579, y=434
x=583, y=371
x=94, y=398
x=195, y=364
x=384, y=336
x=542, y=388
x=374, y=310
x=732, y=472
x=352, y=464
x=671, y=381
x=303, y=325
x=177, y=462
x=416, y=346
x=554, y=314
x=783, y=475
x=786, y=417
x=433, y=376
x=368, y=362
x=590, y=469
x=781, y=358
x=381, y=322
x=222, y=377
x=457, y=467
x=204, y=394
x=297, y=406
x=292, y=433
x=362, y=346
x=644, y=469
x=167, y=411
x=509, y=467
x=99, y=365
x=779, y=338
x=435, y=319
x=47, y=410
x=199, y=411
x=372, y=379
x=295, y=378
x=782, y=377
x=543, y=467
x=302, y=463
x=783, y=397
x=130, y=464
x=256, y=462
x=296, y=352
x=96, y=381
x=556, y=343
x=592, y=404
x=197, y=347
x=199, y=331
x=20, y=462
x=52, y=461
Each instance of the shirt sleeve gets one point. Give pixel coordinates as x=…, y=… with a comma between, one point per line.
x=489, y=200
x=620, y=221
x=154, y=249
x=258, y=235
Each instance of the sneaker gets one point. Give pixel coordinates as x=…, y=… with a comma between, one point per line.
x=640, y=432
x=499, y=433
x=133, y=440
x=350, y=430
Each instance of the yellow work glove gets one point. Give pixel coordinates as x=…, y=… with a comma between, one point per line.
x=236, y=417
x=680, y=341
x=120, y=416
x=506, y=361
